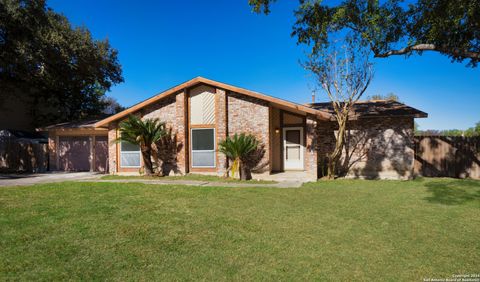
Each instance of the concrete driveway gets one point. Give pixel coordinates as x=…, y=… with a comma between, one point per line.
x=37, y=178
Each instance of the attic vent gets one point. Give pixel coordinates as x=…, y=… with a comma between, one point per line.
x=202, y=105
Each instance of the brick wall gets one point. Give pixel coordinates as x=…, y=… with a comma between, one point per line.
x=179, y=129
x=112, y=148
x=165, y=110
x=221, y=127
x=377, y=147
x=250, y=115
x=311, y=153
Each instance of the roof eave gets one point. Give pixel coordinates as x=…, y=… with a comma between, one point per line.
x=318, y=114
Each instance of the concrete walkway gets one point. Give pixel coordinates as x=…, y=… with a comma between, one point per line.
x=283, y=184
x=39, y=178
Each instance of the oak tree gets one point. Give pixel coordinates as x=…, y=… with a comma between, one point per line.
x=392, y=27
x=60, y=71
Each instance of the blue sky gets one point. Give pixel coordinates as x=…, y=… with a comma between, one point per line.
x=164, y=43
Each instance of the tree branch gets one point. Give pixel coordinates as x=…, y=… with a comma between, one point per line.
x=429, y=47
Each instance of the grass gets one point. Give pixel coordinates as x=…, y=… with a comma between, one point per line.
x=330, y=230
x=190, y=176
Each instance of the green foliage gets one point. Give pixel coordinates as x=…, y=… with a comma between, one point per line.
x=111, y=105
x=416, y=128
x=470, y=132
x=143, y=133
x=238, y=148
x=388, y=97
x=60, y=71
x=392, y=27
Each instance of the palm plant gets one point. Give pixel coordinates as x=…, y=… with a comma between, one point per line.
x=143, y=133
x=237, y=149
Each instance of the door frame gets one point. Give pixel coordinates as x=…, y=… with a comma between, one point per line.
x=302, y=148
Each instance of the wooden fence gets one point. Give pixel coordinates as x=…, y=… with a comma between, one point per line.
x=18, y=156
x=446, y=156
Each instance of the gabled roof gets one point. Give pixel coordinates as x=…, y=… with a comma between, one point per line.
x=201, y=80
x=375, y=108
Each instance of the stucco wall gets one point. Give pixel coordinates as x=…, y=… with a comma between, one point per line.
x=378, y=148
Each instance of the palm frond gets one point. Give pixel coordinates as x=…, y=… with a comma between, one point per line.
x=141, y=132
x=237, y=148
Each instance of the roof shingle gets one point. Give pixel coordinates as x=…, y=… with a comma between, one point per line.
x=374, y=108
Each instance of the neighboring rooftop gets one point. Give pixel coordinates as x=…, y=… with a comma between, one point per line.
x=86, y=124
x=21, y=134
x=374, y=108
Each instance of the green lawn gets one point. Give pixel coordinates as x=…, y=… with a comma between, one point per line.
x=335, y=230
x=190, y=176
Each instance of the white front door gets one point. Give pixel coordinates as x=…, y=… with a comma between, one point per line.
x=293, y=148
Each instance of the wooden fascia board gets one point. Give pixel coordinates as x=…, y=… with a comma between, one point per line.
x=147, y=102
x=217, y=84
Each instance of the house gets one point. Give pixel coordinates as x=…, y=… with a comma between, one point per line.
x=202, y=112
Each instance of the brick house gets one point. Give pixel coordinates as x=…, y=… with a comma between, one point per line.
x=202, y=112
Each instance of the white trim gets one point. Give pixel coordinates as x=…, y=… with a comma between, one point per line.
x=299, y=165
x=213, y=151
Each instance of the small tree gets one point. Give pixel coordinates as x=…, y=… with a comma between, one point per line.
x=238, y=149
x=344, y=73
x=143, y=133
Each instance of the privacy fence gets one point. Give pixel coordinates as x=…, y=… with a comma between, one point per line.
x=447, y=156
x=18, y=156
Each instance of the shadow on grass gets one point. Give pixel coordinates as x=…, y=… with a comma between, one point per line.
x=455, y=192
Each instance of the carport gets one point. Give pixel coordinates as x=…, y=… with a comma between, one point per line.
x=77, y=146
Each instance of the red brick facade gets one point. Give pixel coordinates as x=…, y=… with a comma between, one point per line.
x=250, y=115
x=378, y=148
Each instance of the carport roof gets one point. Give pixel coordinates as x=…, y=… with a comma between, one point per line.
x=83, y=124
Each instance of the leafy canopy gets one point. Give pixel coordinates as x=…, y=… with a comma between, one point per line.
x=59, y=69
x=469, y=132
x=141, y=132
x=392, y=27
x=238, y=148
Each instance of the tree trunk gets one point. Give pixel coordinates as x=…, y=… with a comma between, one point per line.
x=245, y=173
x=337, y=152
x=147, y=161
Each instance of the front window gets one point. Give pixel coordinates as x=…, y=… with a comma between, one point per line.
x=203, y=147
x=129, y=154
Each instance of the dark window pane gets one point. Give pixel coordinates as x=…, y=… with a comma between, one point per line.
x=203, y=139
x=293, y=137
x=127, y=147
